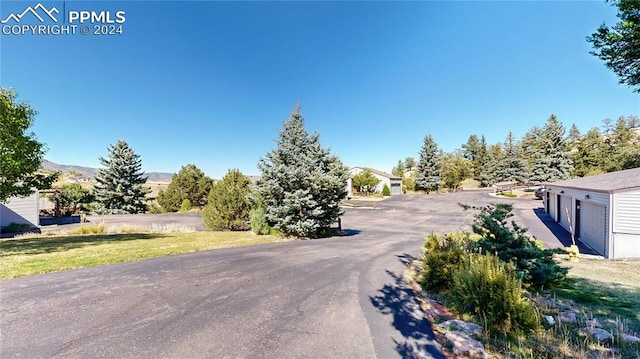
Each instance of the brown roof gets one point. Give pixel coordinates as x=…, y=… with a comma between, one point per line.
x=608, y=182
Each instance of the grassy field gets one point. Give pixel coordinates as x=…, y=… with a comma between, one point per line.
x=605, y=289
x=43, y=254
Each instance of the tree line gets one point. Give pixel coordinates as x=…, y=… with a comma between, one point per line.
x=298, y=193
x=544, y=154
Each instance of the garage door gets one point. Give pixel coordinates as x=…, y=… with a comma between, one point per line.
x=553, y=209
x=593, y=225
x=565, y=211
x=396, y=188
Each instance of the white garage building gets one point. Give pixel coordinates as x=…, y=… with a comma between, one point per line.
x=603, y=211
x=20, y=210
x=393, y=182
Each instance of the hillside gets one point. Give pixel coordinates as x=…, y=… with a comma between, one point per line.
x=90, y=172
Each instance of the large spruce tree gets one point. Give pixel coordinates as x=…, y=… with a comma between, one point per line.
x=302, y=183
x=428, y=168
x=552, y=162
x=120, y=184
x=512, y=167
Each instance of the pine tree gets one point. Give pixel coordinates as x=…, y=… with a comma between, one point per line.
x=552, y=160
x=120, y=185
x=573, y=137
x=530, y=145
x=428, y=168
x=302, y=183
x=488, y=176
x=512, y=167
x=228, y=204
x=398, y=170
x=189, y=183
x=589, y=156
x=475, y=151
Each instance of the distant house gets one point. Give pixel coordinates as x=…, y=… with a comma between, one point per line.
x=20, y=210
x=603, y=211
x=393, y=182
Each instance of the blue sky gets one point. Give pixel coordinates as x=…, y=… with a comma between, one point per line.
x=210, y=83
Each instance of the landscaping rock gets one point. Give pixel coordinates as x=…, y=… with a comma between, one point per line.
x=630, y=338
x=597, y=334
x=461, y=326
x=567, y=317
x=464, y=345
x=549, y=320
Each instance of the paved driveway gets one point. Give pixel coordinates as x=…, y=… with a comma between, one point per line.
x=328, y=298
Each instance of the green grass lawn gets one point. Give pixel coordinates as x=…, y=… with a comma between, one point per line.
x=608, y=289
x=43, y=254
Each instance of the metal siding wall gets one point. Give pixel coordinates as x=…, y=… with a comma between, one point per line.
x=626, y=245
x=626, y=212
x=20, y=210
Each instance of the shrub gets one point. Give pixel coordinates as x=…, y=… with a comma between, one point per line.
x=90, y=229
x=186, y=205
x=386, y=191
x=507, y=194
x=491, y=290
x=442, y=255
x=533, y=264
x=14, y=227
x=155, y=209
x=228, y=206
x=72, y=198
x=259, y=224
x=189, y=183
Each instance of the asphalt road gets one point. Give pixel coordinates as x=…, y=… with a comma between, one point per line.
x=328, y=298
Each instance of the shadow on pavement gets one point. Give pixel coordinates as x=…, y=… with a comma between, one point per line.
x=559, y=232
x=350, y=232
x=398, y=299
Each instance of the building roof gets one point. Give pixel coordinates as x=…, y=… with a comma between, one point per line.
x=608, y=182
x=380, y=173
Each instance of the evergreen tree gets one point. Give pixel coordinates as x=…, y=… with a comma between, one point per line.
x=189, y=183
x=228, y=204
x=552, y=160
x=428, y=167
x=489, y=173
x=398, y=170
x=589, y=156
x=302, y=183
x=618, y=45
x=455, y=169
x=409, y=163
x=120, y=185
x=512, y=167
x=573, y=137
x=530, y=145
x=481, y=158
x=625, y=148
x=475, y=150
x=633, y=121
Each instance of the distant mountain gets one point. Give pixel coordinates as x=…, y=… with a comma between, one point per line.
x=90, y=172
